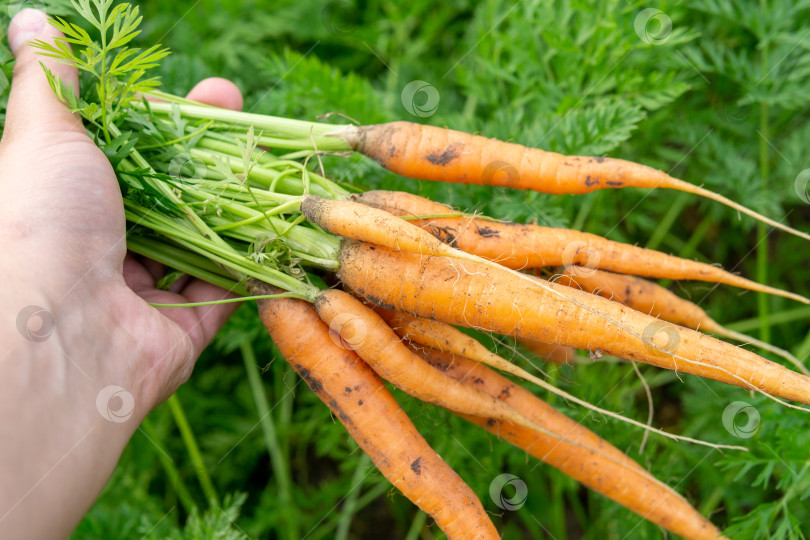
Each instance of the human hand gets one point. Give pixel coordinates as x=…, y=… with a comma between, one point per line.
x=73, y=391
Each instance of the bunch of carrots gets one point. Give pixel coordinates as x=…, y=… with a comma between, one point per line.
x=242, y=201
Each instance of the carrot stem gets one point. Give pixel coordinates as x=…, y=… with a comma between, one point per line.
x=225, y=301
x=166, y=462
x=193, y=450
x=667, y=221
x=287, y=127
x=281, y=470
x=763, y=302
x=185, y=261
x=781, y=317
x=350, y=501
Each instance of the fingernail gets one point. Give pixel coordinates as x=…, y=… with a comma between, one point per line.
x=24, y=27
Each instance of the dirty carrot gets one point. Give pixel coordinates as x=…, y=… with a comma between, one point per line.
x=361, y=402
x=653, y=299
x=373, y=340
x=632, y=334
x=443, y=337
x=502, y=287
x=355, y=220
x=475, y=295
x=445, y=155
x=619, y=478
x=556, y=354
x=531, y=246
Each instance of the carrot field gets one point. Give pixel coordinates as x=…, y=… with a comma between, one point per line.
x=713, y=93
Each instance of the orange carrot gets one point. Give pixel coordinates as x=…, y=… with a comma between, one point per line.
x=446, y=338
x=652, y=299
x=355, y=220
x=623, y=332
x=531, y=246
x=433, y=153
x=360, y=400
x=608, y=471
x=443, y=337
x=374, y=341
x=556, y=354
x=641, y=295
x=476, y=295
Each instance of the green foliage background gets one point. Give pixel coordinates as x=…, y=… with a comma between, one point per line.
x=719, y=100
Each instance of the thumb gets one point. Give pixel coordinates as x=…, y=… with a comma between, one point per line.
x=32, y=104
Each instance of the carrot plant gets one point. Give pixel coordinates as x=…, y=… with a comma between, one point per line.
x=231, y=197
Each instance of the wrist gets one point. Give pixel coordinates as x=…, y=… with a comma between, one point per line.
x=72, y=333
x=89, y=314
x=67, y=423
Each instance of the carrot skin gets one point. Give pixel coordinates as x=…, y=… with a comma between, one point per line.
x=475, y=295
x=361, y=402
x=556, y=354
x=446, y=155
x=641, y=295
x=377, y=344
x=625, y=482
x=444, y=337
x=519, y=246
x=355, y=220
x=652, y=299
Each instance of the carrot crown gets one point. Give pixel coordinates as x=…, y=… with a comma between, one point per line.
x=200, y=193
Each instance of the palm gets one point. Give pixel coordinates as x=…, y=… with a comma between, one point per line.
x=60, y=187
x=76, y=194
x=63, y=230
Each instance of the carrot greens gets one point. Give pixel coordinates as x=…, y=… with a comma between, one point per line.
x=243, y=201
x=199, y=194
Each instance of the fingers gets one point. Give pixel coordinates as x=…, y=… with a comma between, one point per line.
x=32, y=105
x=141, y=275
x=201, y=323
x=156, y=269
x=219, y=92
x=210, y=318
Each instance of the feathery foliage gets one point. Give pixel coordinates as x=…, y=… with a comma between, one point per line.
x=719, y=99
